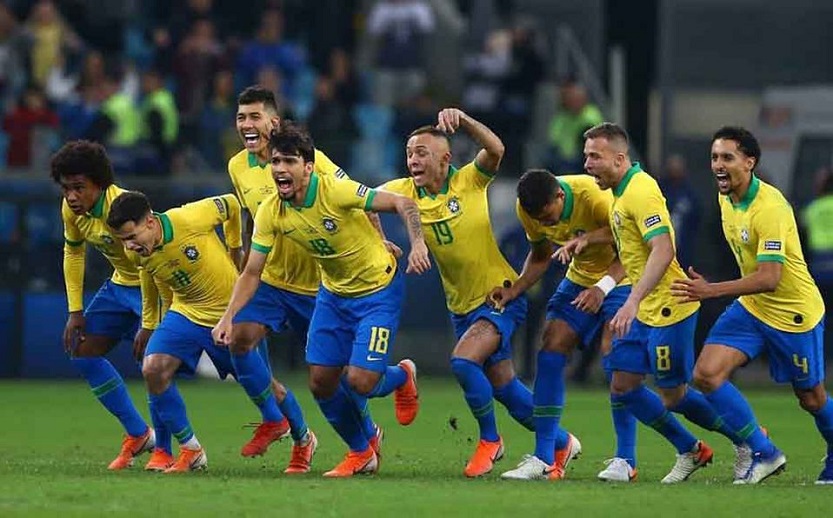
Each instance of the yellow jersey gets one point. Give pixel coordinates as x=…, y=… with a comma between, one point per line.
x=459, y=234
x=761, y=227
x=586, y=208
x=192, y=262
x=92, y=228
x=332, y=227
x=638, y=214
x=293, y=269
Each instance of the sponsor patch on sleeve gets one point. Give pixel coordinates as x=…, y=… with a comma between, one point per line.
x=774, y=246
x=361, y=192
x=340, y=173
x=221, y=207
x=650, y=221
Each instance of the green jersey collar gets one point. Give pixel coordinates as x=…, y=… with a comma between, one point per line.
x=619, y=189
x=567, y=211
x=167, y=228
x=749, y=197
x=253, y=162
x=443, y=190
x=312, y=190
x=98, y=209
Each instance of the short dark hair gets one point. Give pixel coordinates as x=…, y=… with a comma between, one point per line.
x=292, y=140
x=85, y=158
x=128, y=206
x=746, y=141
x=537, y=189
x=258, y=94
x=609, y=131
x=430, y=130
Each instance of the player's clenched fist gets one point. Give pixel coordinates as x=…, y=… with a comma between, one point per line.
x=418, y=260
x=221, y=333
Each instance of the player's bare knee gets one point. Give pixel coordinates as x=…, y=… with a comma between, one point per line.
x=672, y=396
x=323, y=382
x=706, y=379
x=500, y=373
x=243, y=340
x=94, y=346
x=362, y=381
x=156, y=373
x=622, y=383
x=812, y=400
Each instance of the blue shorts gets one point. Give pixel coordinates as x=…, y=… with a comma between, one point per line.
x=115, y=311
x=276, y=308
x=797, y=358
x=506, y=322
x=355, y=331
x=666, y=352
x=179, y=337
x=586, y=325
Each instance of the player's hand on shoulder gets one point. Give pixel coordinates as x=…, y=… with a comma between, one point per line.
x=393, y=248
x=589, y=300
x=448, y=120
x=418, y=260
x=74, y=331
x=140, y=342
x=221, y=333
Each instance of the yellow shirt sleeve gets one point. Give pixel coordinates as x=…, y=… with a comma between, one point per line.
x=75, y=252
x=477, y=175
x=150, y=300
x=601, y=209
x=533, y=233
x=210, y=212
x=771, y=228
x=348, y=194
x=263, y=237
x=324, y=165
x=651, y=215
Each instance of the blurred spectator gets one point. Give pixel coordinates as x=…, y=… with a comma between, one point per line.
x=269, y=50
x=328, y=26
x=568, y=126
x=331, y=123
x=400, y=27
x=198, y=58
x=345, y=83
x=218, y=137
x=271, y=79
x=118, y=123
x=818, y=220
x=420, y=110
x=49, y=36
x=160, y=119
x=485, y=73
x=175, y=21
x=31, y=112
x=13, y=49
x=684, y=207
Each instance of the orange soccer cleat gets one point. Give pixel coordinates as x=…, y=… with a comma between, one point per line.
x=130, y=448
x=265, y=434
x=568, y=453
x=484, y=458
x=355, y=463
x=301, y=459
x=406, y=397
x=189, y=460
x=160, y=460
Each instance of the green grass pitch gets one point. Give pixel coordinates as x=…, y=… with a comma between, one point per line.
x=56, y=441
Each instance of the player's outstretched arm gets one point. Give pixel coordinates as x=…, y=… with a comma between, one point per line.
x=536, y=264
x=407, y=209
x=244, y=289
x=565, y=253
x=488, y=158
x=763, y=280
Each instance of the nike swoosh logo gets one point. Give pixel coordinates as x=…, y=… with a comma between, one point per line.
x=246, y=191
x=373, y=358
x=287, y=232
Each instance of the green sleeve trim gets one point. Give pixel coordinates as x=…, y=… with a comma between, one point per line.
x=656, y=232
x=770, y=258
x=260, y=248
x=488, y=174
x=73, y=243
x=369, y=203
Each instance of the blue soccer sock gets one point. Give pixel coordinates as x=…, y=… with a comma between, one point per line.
x=624, y=424
x=339, y=411
x=646, y=406
x=361, y=409
x=478, y=393
x=735, y=411
x=548, y=400
x=171, y=408
x=393, y=378
x=253, y=375
x=697, y=409
x=163, y=435
x=824, y=422
x=517, y=399
x=108, y=386
x=292, y=410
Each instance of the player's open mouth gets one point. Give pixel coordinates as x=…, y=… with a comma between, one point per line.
x=284, y=185
x=76, y=209
x=722, y=180
x=251, y=139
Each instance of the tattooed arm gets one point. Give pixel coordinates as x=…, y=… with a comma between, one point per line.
x=407, y=209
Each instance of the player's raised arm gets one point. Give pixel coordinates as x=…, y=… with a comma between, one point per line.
x=487, y=159
x=382, y=201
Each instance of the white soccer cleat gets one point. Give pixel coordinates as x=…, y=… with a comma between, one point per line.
x=533, y=468
x=761, y=468
x=743, y=461
x=688, y=463
x=617, y=470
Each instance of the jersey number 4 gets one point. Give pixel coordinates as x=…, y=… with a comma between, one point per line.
x=442, y=232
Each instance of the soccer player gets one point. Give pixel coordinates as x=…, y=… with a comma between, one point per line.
x=454, y=212
x=85, y=175
x=778, y=308
x=555, y=210
x=655, y=330
x=358, y=305
x=178, y=252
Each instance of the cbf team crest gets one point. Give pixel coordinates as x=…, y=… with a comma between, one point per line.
x=329, y=225
x=107, y=239
x=744, y=235
x=617, y=219
x=454, y=205
x=191, y=252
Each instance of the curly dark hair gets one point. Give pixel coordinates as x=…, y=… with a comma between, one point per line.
x=85, y=158
x=292, y=140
